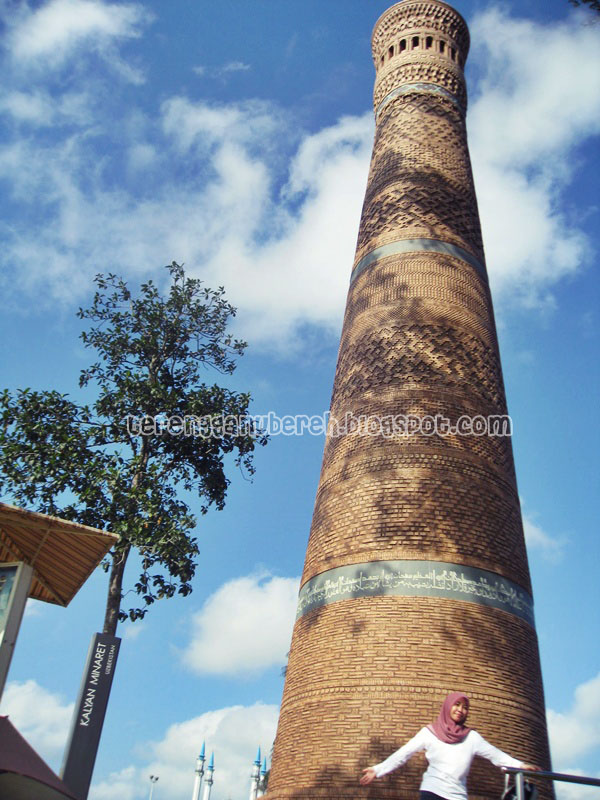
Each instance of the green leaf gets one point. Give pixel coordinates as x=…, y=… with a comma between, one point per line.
x=151, y=353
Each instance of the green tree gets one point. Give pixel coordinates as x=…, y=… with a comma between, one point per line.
x=116, y=464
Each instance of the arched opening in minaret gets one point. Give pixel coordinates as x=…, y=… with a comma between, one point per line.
x=453, y=54
x=442, y=46
x=402, y=45
x=429, y=42
x=391, y=52
x=415, y=42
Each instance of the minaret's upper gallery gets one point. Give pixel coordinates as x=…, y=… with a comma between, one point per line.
x=415, y=42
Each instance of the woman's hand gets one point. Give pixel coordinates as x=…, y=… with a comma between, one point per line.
x=368, y=776
x=531, y=767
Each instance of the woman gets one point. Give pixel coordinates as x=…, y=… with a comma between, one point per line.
x=449, y=748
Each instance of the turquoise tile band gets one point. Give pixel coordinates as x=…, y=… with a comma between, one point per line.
x=420, y=88
x=416, y=246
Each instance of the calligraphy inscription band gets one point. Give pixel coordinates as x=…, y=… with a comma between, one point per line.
x=416, y=579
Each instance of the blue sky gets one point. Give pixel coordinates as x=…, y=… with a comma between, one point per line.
x=235, y=137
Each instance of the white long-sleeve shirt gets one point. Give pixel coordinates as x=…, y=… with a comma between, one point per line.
x=449, y=764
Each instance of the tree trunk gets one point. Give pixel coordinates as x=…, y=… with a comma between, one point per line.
x=113, y=601
x=115, y=585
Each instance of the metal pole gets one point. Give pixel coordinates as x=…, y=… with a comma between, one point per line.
x=520, y=785
x=550, y=776
x=15, y=582
x=153, y=779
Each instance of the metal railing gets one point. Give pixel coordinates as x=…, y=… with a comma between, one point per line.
x=519, y=775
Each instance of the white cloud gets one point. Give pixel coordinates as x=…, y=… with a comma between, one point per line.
x=537, y=539
x=126, y=784
x=49, y=35
x=244, y=627
x=282, y=261
x=537, y=101
x=300, y=272
x=529, y=245
x=575, y=736
x=142, y=156
x=41, y=716
x=34, y=608
x=574, y=791
x=222, y=72
x=247, y=123
x=576, y=733
x=34, y=107
x=236, y=66
x=40, y=109
x=132, y=631
x=233, y=733
x=249, y=201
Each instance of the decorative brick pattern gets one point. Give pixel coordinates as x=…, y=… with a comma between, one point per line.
x=424, y=289
x=425, y=355
x=419, y=70
x=419, y=339
x=364, y=675
x=420, y=179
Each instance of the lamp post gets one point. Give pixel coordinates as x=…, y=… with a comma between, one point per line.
x=153, y=779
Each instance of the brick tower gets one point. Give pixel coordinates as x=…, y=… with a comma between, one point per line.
x=416, y=580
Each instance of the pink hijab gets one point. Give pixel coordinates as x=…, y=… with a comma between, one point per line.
x=444, y=726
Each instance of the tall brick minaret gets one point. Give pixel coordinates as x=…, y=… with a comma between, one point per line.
x=416, y=579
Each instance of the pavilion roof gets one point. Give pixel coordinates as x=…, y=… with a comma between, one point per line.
x=63, y=554
x=23, y=774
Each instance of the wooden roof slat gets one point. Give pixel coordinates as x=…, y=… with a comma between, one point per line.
x=12, y=546
x=61, y=601
x=63, y=553
x=40, y=545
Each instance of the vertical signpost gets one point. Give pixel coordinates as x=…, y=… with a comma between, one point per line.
x=88, y=717
x=15, y=582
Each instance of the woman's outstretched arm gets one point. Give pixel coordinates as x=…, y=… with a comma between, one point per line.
x=498, y=757
x=401, y=756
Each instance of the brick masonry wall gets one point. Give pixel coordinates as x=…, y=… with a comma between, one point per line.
x=365, y=674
